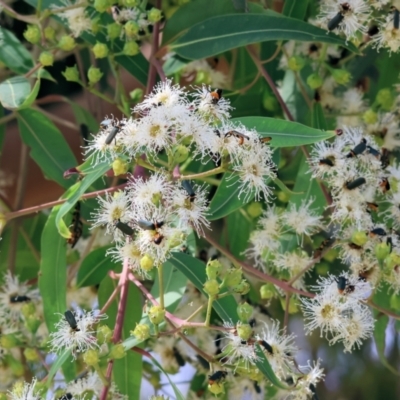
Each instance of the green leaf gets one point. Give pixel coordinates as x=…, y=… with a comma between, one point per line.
x=94, y=267
x=219, y=34
x=16, y=92
x=242, y=225
x=64, y=357
x=194, y=270
x=82, y=116
x=295, y=8
x=318, y=117
x=284, y=133
x=14, y=54
x=48, y=147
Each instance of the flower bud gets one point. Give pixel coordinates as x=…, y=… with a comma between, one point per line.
x=32, y=322
x=211, y=287
x=213, y=269
x=385, y=99
x=254, y=209
x=341, y=76
x=131, y=48
x=146, y=263
x=8, y=341
x=32, y=34
x=120, y=167
x=370, y=117
x=244, y=311
x=293, y=308
x=156, y=315
x=46, y=59
x=180, y=154
x=31, y=355
x=66, y=43
x=132, y=29
x=314, y=81
x=154, y=15
x=359, y=238
x=17, y=368
x=233, y=277
x=100, y=50
x=136, y=95
x=102, y=5
x=269, y=102
x=28, y=309
x=104, y=334
x=267, y=291
x=296, y=63
x=242, y=288
x=382, y=250
x=91, y=357
x=117, y=352
x=94, y=75
x=95, y=25
x=71, y=74
x=142, y=331
x=244, y=331
x=216, y=387
x=49, y=33
x=392, y=259
x=114, y=30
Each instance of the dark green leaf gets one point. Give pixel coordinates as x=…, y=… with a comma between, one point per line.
x=48, y=147
x=82, y=116
x=240, y=5
x=295, y=8
x=240, y=223
x=318, y=117
x=16, y=93
x=219, y=34
x=284, y=133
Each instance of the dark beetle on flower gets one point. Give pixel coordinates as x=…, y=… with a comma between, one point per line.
x=69, y=316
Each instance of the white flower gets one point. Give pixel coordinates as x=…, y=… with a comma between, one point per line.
x=90, y=383
x=131, y=14
x=387, y=37
x=100, y=150
x=351, y=107
x=76, y=18
x=77, y=339
x=212, y=107
x=215, y=77
x=25, y=392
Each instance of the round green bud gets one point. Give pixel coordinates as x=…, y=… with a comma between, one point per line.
x=49, y=33
x=211, y=287
x=146, y=263
x=94, y=75
x=216, y=387
x=202, y=77
x=395, y=302
x=283, y=197
x=91, y=357
x=28, y=309
x=392, y=259
x=269, y=102
x=136, y=95
x=322, y=268
x=17, y=368
x=46, y=59
x=154, y=15
x=370, y=117
x=296, y=63
x=142, y=331
x=244, y=331
x=233, y=277
x=385, y=99
x=244, y=311
x=156, y=315
x=267, y=291
x=293, y=308
x=66, y=43
x=359, y=238
x=104, y=334
x=314, y=81
x=341, y=76
x=117, y=352
x=114, y=30
x=213, y=269
x=32, y=323
x=120, y=167
x=132, y=29
x=382, y=250
x=8, y=341
x=100, y=50
x=130, y=3
x=102, y=5
x=242, y=288
x=181, y=153
x=32, y=34
x=31, y=355
x=254, y=209
x=131, y=48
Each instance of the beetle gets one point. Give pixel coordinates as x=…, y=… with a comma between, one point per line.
x=359, y=149
x=238, y=135
x=124, y=228
x=326, y=161
x=377, y=232
x=178, y=356
x=338, y=18
x=19, y=299
x=217, y=376
x=355, y=184
x=70, y=318
x=396, y=18
x=216, y=96
x=189, y=189
x=266, y=346
x=384, y=185
x=76, y=226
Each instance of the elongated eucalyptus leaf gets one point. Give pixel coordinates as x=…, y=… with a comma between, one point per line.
x=16, y=93
x=318, y=117
x=219, y=34
x=284, y=133
x=295, y=9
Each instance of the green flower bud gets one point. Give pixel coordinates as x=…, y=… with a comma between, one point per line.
x=136, y=95
x=146, y=263
x=114, y=30
x=32, y=322
x=314, y=81
x=341, y=76
x=91, y=357
x=102, y=5
x=283, y=197
x=66, y=43
x=322, y=268
x=244, y=331
x=117, y=352
x=180, y=154
x=269, y=102
x=8, y=341
x=49, y=33
x=104, y=334
x=233, y=277
x=202, y=77
x=131, y=49
x=267, y=291
x=17, y=368
x=242, y=288
x=216, y=387
x=382, y=250
x=213, y=269
x=132, y=29
x=31, y=355
x=32, y=34
x=254, y=209
x=130, y=3
x=293, y=308
x=28, y=309
x=142, y=331
x=100, y=50
x=154, y=15
x=359, y=238
x=120, y=167
x=392, y=259
x=370, y=117
x=244, y=311
x=296, y=63
x=385, y=99
x=94, y=75
x=46, y=59
x=211, y=287
x=156, y=315
x=395, y=302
